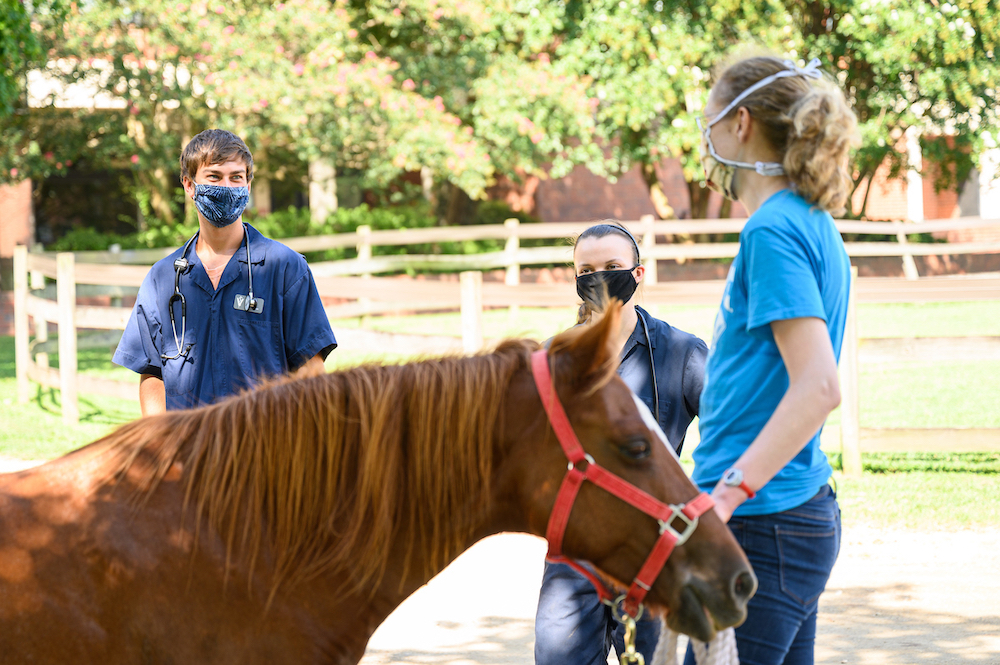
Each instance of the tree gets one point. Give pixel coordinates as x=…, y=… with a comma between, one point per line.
x=924, y=66
x=648, y=62
x=489, y=66
x=19, y=51
x=290, y=74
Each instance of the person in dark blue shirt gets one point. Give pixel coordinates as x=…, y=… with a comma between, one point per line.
x=229, y=308
x=665, y=368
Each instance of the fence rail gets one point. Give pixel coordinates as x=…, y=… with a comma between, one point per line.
x=364, y=240
x=350, y=280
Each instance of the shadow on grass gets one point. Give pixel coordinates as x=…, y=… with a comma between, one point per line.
x=92, y=411
x=854, y=627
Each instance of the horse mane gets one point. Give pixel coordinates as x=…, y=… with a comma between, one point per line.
x=327, y=473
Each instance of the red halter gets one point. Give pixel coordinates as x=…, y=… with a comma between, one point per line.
x=664, y=514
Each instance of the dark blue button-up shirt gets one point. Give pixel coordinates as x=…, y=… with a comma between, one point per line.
x=229, y=348
x=679, y=358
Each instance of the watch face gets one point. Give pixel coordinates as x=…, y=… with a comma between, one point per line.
x=733, y=477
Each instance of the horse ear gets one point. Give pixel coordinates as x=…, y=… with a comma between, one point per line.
x=586, y=354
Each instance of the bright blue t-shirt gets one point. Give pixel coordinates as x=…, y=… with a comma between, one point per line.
x=227, y=349
x=791, y=264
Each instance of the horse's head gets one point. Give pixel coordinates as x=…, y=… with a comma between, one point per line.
x=707, y=580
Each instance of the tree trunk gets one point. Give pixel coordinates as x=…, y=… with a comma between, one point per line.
x=699, y=200
x=458, y=206
x=155, y=182
x=656, y=194
x=190, y=211
x=261, y=183
x=427, y=185
x=322, y=190
x=159, y=195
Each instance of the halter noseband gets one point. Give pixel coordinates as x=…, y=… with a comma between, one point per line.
x=663, y=513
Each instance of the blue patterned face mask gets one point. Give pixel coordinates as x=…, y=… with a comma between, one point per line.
x=221, y=206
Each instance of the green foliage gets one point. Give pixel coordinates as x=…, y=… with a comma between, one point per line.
x=296, y=222
x=90, y=239
x=929, y=67
x=18, y=47
x=987, y=463
x=468, y=91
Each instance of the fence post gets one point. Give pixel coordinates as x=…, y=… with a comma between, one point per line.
x=66, y=301
x=472, y=310
x=41, y=336
x=909, y=266
x=850, y=402
x=513, y=274
x=22, y=353
x=116, y=257
x=648, y=242
x=365, y=254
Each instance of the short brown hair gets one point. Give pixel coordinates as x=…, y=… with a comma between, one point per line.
x=809, y=123
x=214, y=146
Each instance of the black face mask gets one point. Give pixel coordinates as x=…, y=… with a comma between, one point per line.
x=596, y=287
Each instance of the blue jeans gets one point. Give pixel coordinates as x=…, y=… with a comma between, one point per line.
x=792, y=554
x=573, y=627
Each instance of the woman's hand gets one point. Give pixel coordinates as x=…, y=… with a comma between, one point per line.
x=727, y=500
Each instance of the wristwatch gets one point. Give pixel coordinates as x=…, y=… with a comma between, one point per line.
x=734, y=478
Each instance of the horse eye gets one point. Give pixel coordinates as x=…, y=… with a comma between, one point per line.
x=636, y=449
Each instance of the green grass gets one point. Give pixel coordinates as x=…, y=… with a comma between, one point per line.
x=950, y=319
x=925, y=394
x=36, y=431
x=938, y=462
x=921, y=500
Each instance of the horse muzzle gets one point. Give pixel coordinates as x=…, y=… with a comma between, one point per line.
x=703, y=609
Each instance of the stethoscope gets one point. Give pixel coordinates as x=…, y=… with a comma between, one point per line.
x=652, y=367
x=181, y=266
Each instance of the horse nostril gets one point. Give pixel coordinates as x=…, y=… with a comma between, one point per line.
x=744, y=585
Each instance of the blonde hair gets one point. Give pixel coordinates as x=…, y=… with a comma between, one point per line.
x=807, y=121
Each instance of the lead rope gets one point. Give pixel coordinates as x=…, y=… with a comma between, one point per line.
x=720, y=651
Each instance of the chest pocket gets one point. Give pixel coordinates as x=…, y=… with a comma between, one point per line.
x=262, y=354
x=180, y=375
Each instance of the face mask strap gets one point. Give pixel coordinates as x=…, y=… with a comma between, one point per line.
x=810, y=71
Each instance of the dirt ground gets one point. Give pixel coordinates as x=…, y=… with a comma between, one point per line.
x=896, y=597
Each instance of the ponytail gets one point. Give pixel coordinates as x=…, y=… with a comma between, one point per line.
x=823, y=129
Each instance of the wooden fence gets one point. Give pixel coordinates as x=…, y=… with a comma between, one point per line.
x=115, y=273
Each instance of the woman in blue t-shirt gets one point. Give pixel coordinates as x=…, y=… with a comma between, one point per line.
x=777, y=138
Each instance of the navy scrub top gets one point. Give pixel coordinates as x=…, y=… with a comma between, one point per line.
x=231, y=348
x=679, y=358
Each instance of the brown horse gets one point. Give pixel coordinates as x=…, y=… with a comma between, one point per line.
x=283, y=525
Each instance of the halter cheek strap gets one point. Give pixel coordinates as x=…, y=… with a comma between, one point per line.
x=583, y=467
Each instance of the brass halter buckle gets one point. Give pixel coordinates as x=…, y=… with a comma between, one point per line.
x=630, y=655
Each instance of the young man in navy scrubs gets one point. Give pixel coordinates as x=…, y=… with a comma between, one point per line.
x=244, y=307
